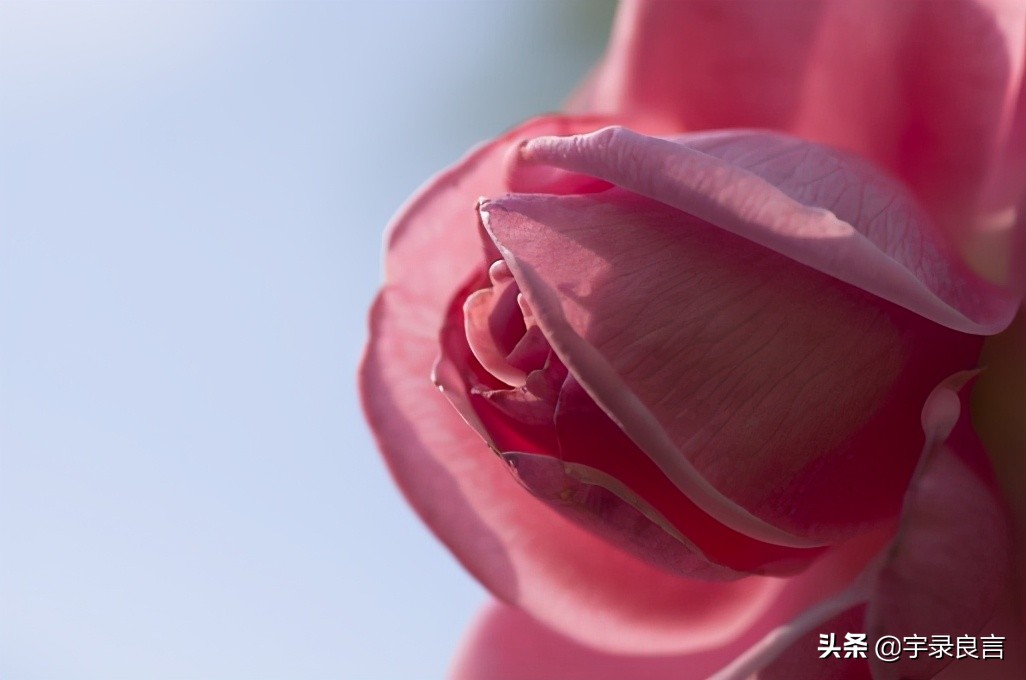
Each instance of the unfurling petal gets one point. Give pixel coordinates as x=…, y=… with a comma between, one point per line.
x=828, y=210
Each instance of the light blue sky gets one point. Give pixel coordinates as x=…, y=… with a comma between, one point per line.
x=192, y=197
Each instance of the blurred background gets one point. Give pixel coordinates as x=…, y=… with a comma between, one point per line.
x=192, y=198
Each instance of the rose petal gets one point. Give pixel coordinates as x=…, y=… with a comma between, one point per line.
x=830, y=211
x=947, y=568
x=493, y=329
x=606, y=507
x=943, y=573
x=589, y=440
x=782, y=402
x=506, y=643
x=927, y=90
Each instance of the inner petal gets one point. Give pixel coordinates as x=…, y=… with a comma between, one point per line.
x=494, y=325
x=567, y=452
x=790, y=393
x=587, y=436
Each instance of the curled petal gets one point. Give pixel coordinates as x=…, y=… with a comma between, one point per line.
x=492, y=330
x=825, y=209
x=589, y=440
x=782, y=402
x=933, y=92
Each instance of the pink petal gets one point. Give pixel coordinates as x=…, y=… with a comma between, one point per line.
x=820, y=207
x=606, y=507
x=566, y=451
x=782, y=402
x=943, y=574
x=505, y=643
x=487, y=321
x=926, y=90
x=515, y=545
x=949, y=566
x=589, y=440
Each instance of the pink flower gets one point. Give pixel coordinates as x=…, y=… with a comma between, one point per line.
x=697, y=353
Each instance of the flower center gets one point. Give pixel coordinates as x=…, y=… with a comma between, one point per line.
x=501, y=330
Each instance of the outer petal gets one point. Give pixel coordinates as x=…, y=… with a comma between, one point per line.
x=943, y=573
x=825, y=209
x=947, y=568
x=507, y=644
x=782, y=402
x=927, y=90
x=517, y=547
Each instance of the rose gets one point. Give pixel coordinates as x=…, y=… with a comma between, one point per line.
x=706, y=354
x=904, y=284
